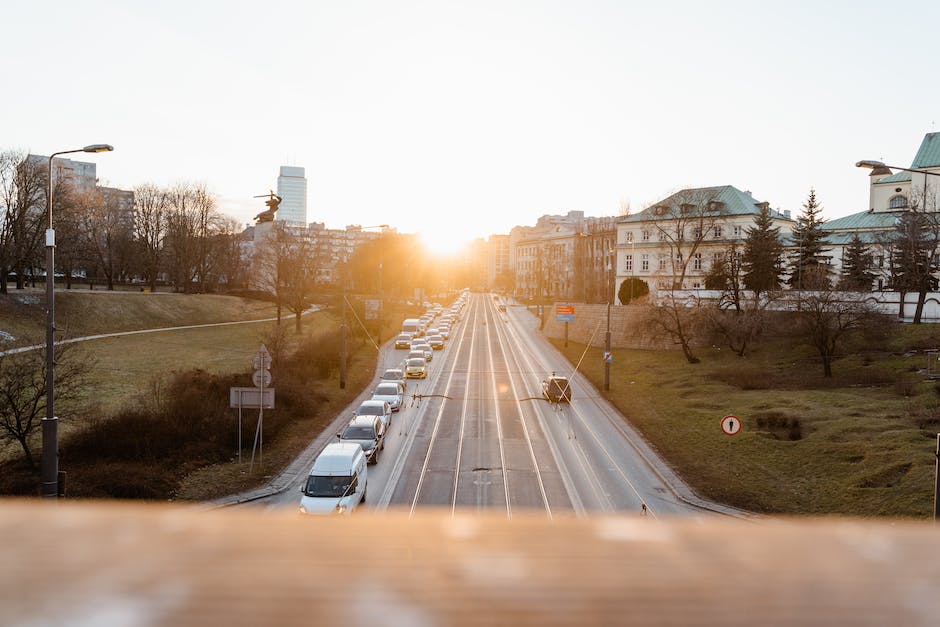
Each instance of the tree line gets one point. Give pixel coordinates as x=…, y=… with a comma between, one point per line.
x=768, y=271
x=173, y=235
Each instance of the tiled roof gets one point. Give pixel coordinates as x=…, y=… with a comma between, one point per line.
x=735, y=202
x=929, y=154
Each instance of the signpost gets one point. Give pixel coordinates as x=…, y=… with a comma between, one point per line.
x=608, y=357
x=260, y=397
x=731, y=426
x=565, y=313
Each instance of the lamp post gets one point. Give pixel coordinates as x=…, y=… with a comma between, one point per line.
x=877, y=167
x=610, y=297
x=342, y=354
x=49, y=467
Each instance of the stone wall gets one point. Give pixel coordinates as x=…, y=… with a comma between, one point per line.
x=626, y=326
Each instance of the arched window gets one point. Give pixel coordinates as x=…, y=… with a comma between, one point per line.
x=898, y=202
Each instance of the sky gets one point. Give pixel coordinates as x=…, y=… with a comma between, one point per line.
x=463, y=119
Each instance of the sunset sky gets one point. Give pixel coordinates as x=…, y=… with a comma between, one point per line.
x=462, y=119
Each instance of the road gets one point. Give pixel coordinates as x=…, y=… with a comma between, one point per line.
x=477, y=435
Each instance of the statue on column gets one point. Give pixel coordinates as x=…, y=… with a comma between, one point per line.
x=273, y=201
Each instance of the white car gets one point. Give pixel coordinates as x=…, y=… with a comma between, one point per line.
x=376, y=408
x=426, y=348
x=395, y=375
x=436, y=342
x=391, y=393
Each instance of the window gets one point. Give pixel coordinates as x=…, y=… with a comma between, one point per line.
x=646, y=235
x=629, y=236
x=662, y=263
x=898, y=202
x=737, y=230
x=697, y=261
x=628, y=265
x=716, y=231
x=881, y=261
x=696, y=285
x=645, y=263
x=697, y=232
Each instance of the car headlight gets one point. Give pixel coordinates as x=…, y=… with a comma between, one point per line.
x=340, y=509
x=302, y=509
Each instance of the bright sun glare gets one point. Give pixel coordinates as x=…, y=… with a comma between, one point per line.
x=444, y=242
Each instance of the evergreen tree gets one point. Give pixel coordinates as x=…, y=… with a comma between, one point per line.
x=856, y=267
x=913, y=256
x=808, y=263
x=763, y=252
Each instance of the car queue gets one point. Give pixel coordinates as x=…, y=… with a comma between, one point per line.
x=338, y=480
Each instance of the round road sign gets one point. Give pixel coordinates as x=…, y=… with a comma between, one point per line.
x=731, y=425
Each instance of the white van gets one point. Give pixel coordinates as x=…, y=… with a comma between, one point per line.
x=413, y=326
x=337, y=481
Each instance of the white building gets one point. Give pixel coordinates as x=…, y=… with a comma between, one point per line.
x=292, y=188
x=889, y=196
x=692, y=229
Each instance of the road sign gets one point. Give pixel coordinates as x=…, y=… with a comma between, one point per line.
x=373, y=308
x=608, y=358
x=564, y=313
x=250, y=398
x=731, y=425
x=261, y=378
x=262, y=359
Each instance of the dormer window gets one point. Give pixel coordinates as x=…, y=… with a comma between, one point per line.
x=898, y=202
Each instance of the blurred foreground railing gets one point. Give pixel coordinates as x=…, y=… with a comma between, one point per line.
x=108, y=564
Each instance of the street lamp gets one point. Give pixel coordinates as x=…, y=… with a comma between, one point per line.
x=880, y=169
x=342, y=355
x=610, y=297
x=49, y=467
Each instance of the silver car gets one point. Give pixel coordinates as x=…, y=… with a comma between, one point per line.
x=391, y=393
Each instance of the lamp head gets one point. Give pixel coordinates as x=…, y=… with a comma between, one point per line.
x=98, y=148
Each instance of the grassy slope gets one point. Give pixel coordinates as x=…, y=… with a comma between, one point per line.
x=861, y=444
x=80, y=313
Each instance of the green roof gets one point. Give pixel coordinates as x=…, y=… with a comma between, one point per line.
x=898, y=177
x=735, y=202
x=868, y=224
x=929, y=154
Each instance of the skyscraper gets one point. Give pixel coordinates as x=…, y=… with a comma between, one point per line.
x=292, y=188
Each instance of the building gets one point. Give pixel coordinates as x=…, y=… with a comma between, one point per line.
x=673, y=243
x=499, y=275
x=292, y=188
x=889, y=196
x=563, y=257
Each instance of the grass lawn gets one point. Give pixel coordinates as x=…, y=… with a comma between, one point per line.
x=861, y=444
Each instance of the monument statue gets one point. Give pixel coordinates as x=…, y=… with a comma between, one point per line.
x=273, y=201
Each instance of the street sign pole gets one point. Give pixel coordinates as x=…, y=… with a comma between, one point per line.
x=731, y=426
x=566, y=334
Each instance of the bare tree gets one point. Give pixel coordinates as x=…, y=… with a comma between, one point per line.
x=22, y=203
x=106, y=222
x=150, y=230
x=23, y=391
x=826, y=317
x=285, y=266
x=683, y=223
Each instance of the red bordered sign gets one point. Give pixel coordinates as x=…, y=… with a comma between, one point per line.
x=731, y=425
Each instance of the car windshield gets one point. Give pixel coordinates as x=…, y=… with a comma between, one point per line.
x=327, y=487
x=370, y=410
x=387, y=390
x=416, y=361
x=359, y=433
x=392, y=375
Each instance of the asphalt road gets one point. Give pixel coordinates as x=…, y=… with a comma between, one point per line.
x=478, y=435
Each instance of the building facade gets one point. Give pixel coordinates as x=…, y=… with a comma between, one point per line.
x=563, y=257
x=890, y=195
x=673, y=243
